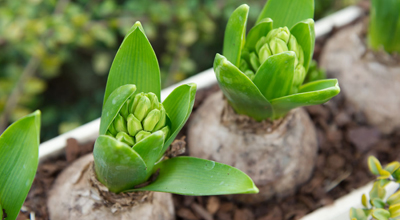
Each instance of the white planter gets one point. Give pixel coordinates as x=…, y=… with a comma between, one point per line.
x=339, y=210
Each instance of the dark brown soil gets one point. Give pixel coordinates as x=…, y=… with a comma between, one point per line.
x=345, y=140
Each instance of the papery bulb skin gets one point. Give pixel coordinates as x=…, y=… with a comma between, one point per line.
x=139, y=117
x=277, y=41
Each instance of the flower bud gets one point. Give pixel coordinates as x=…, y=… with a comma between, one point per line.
x=153, y=100
x=281, y=33
x=120, y=124
x=249, y=74
x=134, y=125
x=142, y=135
x=264, y=53
x=294, y=46
x=260, y=43
x=243, y=65
x=125, y=138
x=112, y=130
x=277, y=46
x=125, y=109
x=133, y=103
x=298, y=78
x=143, y=106
x=165, y=130
x=254, y=61
x=163, y=119
x=151, y=120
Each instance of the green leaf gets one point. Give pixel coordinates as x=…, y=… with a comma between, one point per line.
x=394, y=199
x=383, y=182
x=313, y=93
x=135, y=63
x=114, y=104
x=381, y=214
x=396, y=175
x=1, y=212
x=275, y=76
x=149, y=150
x=305, y=36
x=374, y=165
x=394, y=210
x=377, y=192
x=287, y=12
x=242, y=94
x=378, y=203
x=178, y=106
x=235, y=34
x=393, y=166
x=384, y=28
x=261, y=29
x=357, y=214
x=19, y=149
x=117, y=165
x=194, y=176
x=364, y=201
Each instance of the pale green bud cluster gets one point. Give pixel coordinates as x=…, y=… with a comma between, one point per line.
x=138, y=118
x=277, y=41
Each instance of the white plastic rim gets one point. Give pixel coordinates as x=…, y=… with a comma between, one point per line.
x=338, y=211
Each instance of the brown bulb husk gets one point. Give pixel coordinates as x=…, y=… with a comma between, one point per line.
x=370, y=81
x=76, y=194
x=278, y=156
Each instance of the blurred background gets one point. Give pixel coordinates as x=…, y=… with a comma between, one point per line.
x=55, y=54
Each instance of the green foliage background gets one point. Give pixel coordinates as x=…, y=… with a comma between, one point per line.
x=58, y=52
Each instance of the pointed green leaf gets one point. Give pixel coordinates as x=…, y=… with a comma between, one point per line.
x=394, y=199
x=1, y=212
x=194, y=176
x=357, y=214
x=364, y=201
x=275, y=76
x=374, y=165
x=287, y=12
x=313, y=93
x=394, y=210
x=235, y=34
x=383, y=182
x=149, y=149
x=378, y=203
x=261, y=29
x=305, y=36
x=135, y=63
x=178, y=106
x=114, y=104
x=240, y=91
x=19, y=149
x=393, y=166
x=377, y=192
x=117, y=166
x=381, y=214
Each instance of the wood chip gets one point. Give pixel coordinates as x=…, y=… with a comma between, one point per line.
x=213, y=204
x=201, y=211
x=186, y=214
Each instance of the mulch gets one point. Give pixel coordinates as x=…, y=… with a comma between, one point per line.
x=345, y=139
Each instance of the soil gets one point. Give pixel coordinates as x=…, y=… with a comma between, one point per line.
x=345, y=139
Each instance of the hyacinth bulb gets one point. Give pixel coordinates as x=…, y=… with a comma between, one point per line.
x=276, y=41
x=139, y=117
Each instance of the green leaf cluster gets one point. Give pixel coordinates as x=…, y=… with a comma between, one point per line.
x=384, y=25
x=123, y=159
x=262, y=74
x=377, y=206
x=19, y=149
